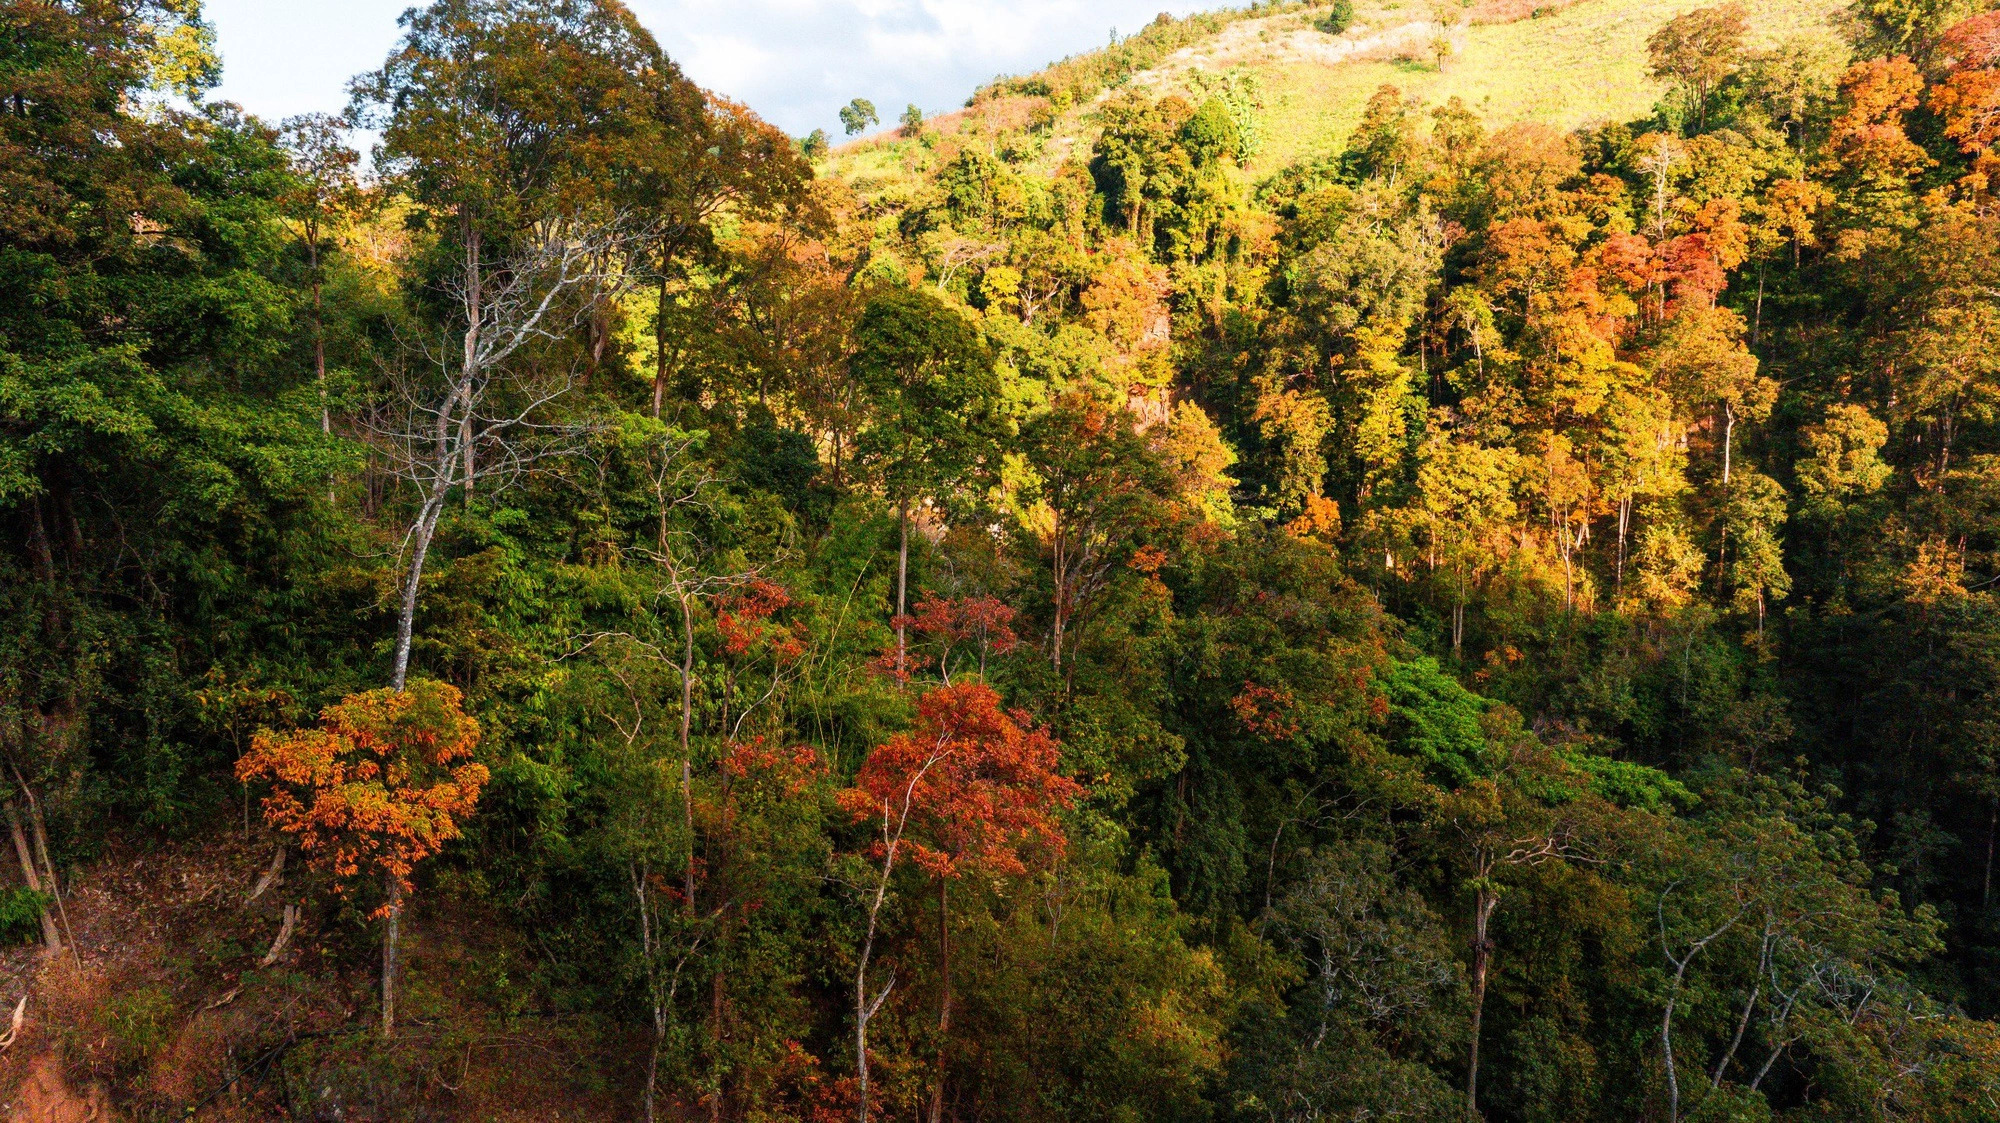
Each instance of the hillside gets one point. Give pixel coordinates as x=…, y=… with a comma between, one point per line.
x=1564, y=66
x=602, y=620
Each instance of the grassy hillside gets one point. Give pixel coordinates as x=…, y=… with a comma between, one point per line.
x=1581, y=64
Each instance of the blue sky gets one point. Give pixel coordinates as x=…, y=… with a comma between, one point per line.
x=794, y=61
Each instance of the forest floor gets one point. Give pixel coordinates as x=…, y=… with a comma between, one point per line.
x=163, y=1001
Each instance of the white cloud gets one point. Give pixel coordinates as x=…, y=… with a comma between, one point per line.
x=813, y=57
x=794, y=61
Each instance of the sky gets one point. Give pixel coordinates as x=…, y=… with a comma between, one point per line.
x=796, y=62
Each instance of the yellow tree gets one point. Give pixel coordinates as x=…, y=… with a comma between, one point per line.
x=1702, y=359
x=1642, y=455
x=1466, y=493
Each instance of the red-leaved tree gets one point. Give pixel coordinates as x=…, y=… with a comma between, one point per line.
x=950, y=630
x=379, y=786
x=972, y=788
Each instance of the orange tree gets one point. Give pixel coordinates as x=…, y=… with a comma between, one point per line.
x=379, y=786
x=972, y=788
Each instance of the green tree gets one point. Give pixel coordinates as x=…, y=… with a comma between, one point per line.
x=857, y=115
x=1752, y=513
x=933, y=389
x=1095, y=485
x=325, y=194
x=1906, y=27
x=1697, y=50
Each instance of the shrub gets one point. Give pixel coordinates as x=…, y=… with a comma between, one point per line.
x=21, y=916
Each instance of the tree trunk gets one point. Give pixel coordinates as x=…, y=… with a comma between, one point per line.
x=39, y=829
x=687, y=748
x=1624, y=526
x=475, y=310
x=944, y=995
x=1458, y=617
x=660, y=347
x=1742, y=1027
x=861, y=1033
x=1060, y=572
x=273, y=874
x=864, y=1006
x=653, y=1070
x=471, y=463
x=391, y=934
x=902, y=583
x=1483, y=904
x=661, y=1003
x=1757, y=325
x=319, y=335
x=406, y=617
x=51, y=937
x=1728, y=437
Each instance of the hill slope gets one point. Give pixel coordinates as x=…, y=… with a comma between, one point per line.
x=1582, y=64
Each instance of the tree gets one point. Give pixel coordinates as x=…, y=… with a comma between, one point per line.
x=1382, y=972
x=1096, y=486
x=1766, y=893
x=932, y=382
x=689, y=160
x=972, y=789
x=1906, y=27
x=1702, y=357
x=692, y=588
x=1697, y=50
x=381, y=785
x=1872, y=154
x=1752, y=512
x=480, y=414
x=469, y=129
x=814, y=146
x=145, y=385
x=857, y=115
x=1445, y=14
x=1467, y=496
x=946, y=624
x=912, y=121
x=1843, y=460
x=325, y=192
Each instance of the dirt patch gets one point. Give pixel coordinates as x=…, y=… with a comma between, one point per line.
x=46, y=1096
x=1285, y=39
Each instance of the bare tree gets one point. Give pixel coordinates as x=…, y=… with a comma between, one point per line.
x=1680, y=961
x=895, y=820
x=482, y=411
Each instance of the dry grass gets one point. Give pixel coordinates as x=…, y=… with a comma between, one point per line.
x=1580, y=66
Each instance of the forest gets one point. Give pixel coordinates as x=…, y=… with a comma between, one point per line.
x=532, y=596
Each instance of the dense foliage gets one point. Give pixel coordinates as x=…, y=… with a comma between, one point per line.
x=1488, y=622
